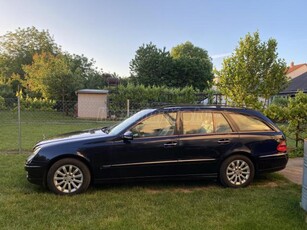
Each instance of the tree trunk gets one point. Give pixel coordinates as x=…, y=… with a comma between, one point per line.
x=297, y=134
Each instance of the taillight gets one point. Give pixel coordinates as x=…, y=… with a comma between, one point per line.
x=282, y=146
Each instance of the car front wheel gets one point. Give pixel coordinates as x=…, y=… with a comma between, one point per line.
x=237, y=171
x=68, y=176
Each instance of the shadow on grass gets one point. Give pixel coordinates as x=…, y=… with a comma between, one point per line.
x=174, y=185
x=264, y=180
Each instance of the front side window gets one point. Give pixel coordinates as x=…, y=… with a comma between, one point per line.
x=197, y=122
x=115, y=130
x=249, y=123
x=157, y=125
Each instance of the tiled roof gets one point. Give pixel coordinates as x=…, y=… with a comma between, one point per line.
x=295, y=67
x=298, y=83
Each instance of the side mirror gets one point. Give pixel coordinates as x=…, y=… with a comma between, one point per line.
x=128, y=136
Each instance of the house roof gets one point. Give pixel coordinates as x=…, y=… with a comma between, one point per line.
x=298, y=83
x=294, y=67
x=92, y=91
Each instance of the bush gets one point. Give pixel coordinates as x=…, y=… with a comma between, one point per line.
x=280, y=101
x=276, y=113
x=142, y=97
x=31, y=104
x=292, y=111
x=2, y=103
x=296, y=152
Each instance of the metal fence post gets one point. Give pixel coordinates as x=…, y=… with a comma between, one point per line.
x=19, y=121
x=128, y=107
x=304, y=185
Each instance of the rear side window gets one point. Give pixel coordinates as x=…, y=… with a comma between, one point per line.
x=197, y=122
x=249, y=123
x=221, y=125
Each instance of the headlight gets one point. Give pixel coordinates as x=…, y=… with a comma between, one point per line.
x=30, y=158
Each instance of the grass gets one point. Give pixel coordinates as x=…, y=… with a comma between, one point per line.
x=271, y=202
x=39, y=125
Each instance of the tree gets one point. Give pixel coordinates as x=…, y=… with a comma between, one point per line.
x=84, y=68
x=186, y=65
x=17, y=49
x=297, y=116
x=253, y=70
x=292, y=111
x=51, y=76
x=151, y=66
x=193, y=66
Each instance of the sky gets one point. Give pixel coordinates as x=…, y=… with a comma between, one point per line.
x=110, y=31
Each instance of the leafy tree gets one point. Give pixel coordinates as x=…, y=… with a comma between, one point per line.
x=51, y=76
x=188, y=50
x=252, y=71
x=84, y=69
x=17, y=49
x=151, y=66
x=193, y=66
x=186, y=65
x=297, y=116
x=294, y=112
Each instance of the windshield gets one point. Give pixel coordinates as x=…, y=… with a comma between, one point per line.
x=129, y=121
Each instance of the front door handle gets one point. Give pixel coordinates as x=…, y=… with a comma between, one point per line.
x=224, y=141
x=169, y=145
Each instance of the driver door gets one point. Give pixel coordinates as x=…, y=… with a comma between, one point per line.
x=151, y=152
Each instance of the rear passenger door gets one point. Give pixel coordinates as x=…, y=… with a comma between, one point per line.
x=204, y=137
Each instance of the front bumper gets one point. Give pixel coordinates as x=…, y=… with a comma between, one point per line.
x=272, y=163
x=35, y=174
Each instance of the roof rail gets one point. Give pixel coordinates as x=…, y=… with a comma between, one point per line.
x=200, y=106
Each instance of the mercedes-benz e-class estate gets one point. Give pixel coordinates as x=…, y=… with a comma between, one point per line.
x=231, y=144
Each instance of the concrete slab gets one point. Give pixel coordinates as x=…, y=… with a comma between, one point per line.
x=294, y=170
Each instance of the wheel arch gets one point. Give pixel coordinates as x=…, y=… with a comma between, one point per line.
x=72, y=156
x=242, y=153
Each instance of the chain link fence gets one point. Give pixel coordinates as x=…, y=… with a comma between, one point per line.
x=22, y=125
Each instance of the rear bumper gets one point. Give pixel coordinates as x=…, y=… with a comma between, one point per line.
x=272, y=163
x=35, y=174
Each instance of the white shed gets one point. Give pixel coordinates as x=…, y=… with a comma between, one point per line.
x=92, y=103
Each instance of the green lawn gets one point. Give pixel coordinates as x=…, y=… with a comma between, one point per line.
x=39, y=125
x=270, y=202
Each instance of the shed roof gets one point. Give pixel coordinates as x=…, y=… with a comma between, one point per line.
x=298, y=83
x=92, y=91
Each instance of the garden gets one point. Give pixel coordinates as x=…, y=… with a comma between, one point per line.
x=34, y=69
x=271, y=202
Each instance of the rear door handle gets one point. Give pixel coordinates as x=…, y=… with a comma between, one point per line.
x=169, y=145
x=224, y=141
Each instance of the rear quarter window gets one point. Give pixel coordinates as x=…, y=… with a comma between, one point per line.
x=249, y=123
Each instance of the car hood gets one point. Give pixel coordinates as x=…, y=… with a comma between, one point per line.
x=73, y=136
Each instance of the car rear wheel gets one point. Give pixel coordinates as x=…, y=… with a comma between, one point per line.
x=237, y=171
x=68, y=176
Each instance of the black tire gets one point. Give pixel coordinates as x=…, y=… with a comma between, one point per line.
x=237, y=171
x=68, y=177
